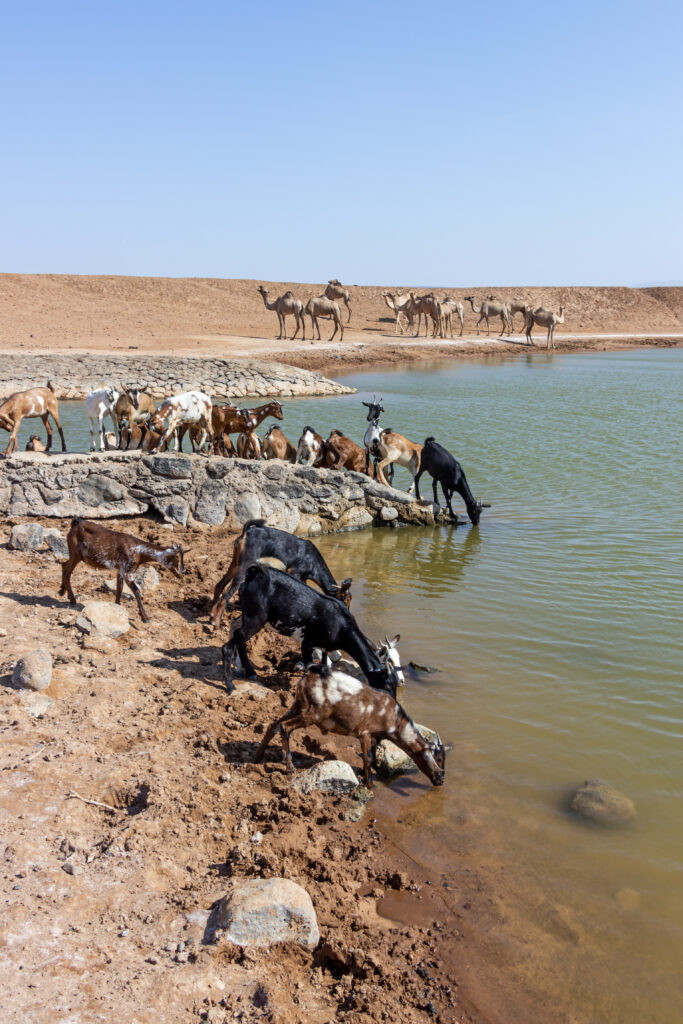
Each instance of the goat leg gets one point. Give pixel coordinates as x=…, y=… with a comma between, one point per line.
x=228, y=654
x=365, y=750
x=119, y=587
x=135, y=587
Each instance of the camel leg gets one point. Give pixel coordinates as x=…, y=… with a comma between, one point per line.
x=348, y=306
x=479, y=321
x=336, y=325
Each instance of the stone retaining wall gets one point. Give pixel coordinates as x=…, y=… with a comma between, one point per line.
x=75, y=376
x=213, y=490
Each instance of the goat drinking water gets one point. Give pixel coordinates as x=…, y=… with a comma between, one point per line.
x=337, y=702
x=108, y=549
x=268, y=596
x=443, y=468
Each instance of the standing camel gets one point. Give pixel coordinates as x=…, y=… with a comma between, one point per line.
x=546, y=318
x=325, y=308
x=518, y=306
x=400, y=305
x=335, y=290
x=489, y=309
x=428, y=305
x=448, y=308
x=286, y=305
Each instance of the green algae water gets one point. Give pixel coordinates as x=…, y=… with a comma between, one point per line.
x=554, y=629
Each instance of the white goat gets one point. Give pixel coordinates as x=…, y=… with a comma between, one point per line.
x=99, y=404
x=188, y=408
x=310, y=448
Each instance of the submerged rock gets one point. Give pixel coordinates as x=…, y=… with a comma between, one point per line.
x=262, y=911
x=34, y=670
x=599, y=802
x=327, y=777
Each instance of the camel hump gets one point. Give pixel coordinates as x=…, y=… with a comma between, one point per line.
x=335, y=280
x=288, y=295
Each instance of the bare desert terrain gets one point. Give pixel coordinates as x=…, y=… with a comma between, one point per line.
x=202, y=316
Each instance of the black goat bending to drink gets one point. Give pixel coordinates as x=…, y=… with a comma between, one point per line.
x=447, y=471
x=270, y=596
x=299, y=556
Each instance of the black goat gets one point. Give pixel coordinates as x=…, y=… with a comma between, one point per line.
x=447, y=471
x=270, y=596
x=299, y=556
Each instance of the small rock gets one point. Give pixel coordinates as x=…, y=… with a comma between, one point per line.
x=152, y=960
x=391, y=760
x=36, y=704
x=26, y=537
x=248, y=689
x=327, y=777
x=56, y=542
x=100, y=618
x=148, y=578
x=388, y=514
x=34, y=670
x=101, y=644
x=261, y=911
x=71, y=868
x=599, y=802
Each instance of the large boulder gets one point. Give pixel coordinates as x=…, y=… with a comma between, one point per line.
x=261, y=911
x=101, y=618
x=34, y=670
x=599, y=802
x=391, y=760
x=26, y=537
x=56, y=542
x=328, y=777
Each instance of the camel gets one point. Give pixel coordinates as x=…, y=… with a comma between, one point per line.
x=519, y=306
x=428, y=305
x=286, y=305
x=489, y=309
x=321, y=306
x=448, y=308
x=335, y=290
x=400, y=304
x=546, y=318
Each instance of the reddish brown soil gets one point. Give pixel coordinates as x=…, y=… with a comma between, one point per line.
x=197, y=316
x=143, y=724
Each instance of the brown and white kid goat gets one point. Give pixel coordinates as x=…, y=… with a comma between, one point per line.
x=337, y=702
x=25, y=405
x=108, y=549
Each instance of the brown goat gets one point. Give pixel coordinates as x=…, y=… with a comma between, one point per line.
x=277, y=446
x=228, y=419
x=337, y=702
x=249, y=445
x=26, y=405
x=133, y=407
x=342, y=453
x=102, y=548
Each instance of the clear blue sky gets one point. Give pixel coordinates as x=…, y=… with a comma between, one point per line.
x=442, y=143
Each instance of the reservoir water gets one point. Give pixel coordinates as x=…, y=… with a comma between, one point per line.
x=554, y=629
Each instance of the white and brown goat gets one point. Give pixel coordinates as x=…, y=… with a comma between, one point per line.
x=184, y=410
x=395, y=448
x=336, y=702
x=134, y=407
x=35, y=403
x=102, y=548
x=277, y=446
x=99, y=404
x=310, y=450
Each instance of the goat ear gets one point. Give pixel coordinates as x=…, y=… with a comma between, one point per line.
x=395, y=639
x=345, y=584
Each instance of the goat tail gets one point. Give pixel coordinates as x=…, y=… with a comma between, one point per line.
x=76, y=521
x=251, y=522
x=430, y=440
x=51, y=386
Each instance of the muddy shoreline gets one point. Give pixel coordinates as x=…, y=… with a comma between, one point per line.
x=143, y=724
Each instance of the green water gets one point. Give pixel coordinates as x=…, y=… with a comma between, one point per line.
x=555, y=629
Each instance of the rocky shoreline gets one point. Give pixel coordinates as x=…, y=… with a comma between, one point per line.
x=209, y=490
x=74, y=377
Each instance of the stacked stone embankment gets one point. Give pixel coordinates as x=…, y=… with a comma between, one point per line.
x=211, y=490
x=74, y=377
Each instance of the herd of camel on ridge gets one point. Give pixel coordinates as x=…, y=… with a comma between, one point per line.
x=411, y=307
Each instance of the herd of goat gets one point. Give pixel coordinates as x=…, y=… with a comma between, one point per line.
x=138, y=423
x=359, y=701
